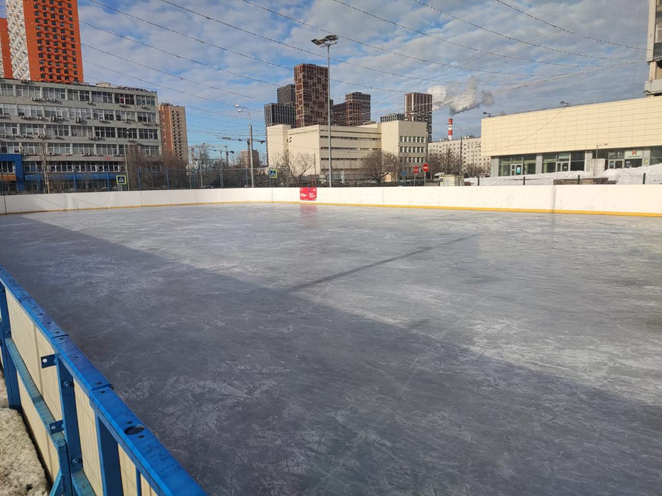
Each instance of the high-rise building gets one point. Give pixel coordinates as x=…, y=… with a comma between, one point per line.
x=354, y=111
x=392, y=117
x=286, y=95
x=44, y=37
x=245, y=158
x=654, y=83
x=418, y=108
x=277, y=113
x=173, y=130
x=311, y=94
x=5, y=53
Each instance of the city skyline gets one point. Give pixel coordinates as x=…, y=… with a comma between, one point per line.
x=406, y=51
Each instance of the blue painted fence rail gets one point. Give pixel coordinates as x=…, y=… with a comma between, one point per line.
x=77, y=382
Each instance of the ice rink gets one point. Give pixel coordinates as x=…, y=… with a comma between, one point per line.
x=303, y=350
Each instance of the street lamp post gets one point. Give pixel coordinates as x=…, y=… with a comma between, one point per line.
x=461, y=142
x=250, y=139
x=327, y=41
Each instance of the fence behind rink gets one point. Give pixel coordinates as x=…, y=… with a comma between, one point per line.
x=89, y=441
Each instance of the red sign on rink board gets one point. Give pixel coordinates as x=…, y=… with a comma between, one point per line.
x=308, y=194
x=416, y=170
x=426, y=168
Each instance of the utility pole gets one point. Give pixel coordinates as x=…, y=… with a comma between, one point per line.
x=327, y=41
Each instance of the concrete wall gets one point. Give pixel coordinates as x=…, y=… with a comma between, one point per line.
x=589, y=199
x=630, y=124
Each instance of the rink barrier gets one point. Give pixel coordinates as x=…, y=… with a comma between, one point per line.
x=625, y=200
x=88, y=440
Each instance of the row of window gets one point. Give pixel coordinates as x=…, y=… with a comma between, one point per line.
x=74, y=149
x=412, y=149
x=37, y=111
x=36, y=168
x=412, y=139
x=13, y=129
x=45, y=92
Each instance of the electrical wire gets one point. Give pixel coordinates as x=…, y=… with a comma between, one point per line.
x=318, y=55
x=178, y=56
x=574, y=33
x=482, y=28
x=174, y=90
x=443, y=40
x=273, y=64
x=177, y=77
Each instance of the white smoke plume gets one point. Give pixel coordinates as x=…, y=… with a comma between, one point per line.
x=459, y=98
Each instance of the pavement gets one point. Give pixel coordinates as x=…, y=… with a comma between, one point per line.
x=302, y=350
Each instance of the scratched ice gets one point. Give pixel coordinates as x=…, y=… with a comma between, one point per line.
x=281, y=350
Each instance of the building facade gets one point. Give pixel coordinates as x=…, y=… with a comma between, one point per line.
x=654, y=83
x=418, y=108
x=354, y=111
x=349, y=146
x=174, y=138
x=44, y=37
x=286, y=95
x=311, y=94
x=468, y=150
x=6, y=70
x=75, y=128
x=392, y=117
x=589, y=138
x=277, y=113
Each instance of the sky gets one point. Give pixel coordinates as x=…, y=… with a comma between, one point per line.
x=215, y=54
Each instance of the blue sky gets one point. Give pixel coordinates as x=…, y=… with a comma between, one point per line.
x=437, y=52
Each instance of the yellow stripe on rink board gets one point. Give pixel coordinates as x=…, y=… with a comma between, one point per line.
x=369, y=205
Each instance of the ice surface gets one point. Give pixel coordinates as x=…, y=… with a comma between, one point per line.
x=286, y=349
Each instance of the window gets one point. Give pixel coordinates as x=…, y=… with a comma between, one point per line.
x=577, y=161
x=27, y=91
x=79, y=95
x=102, y=97
x=81, y=131
x=127, y=133
x=6, y=89
x=83, y=149
x=8, y=129
x=106, y=149
x=80, y=113
x=146, y=117
x=103, y=115
x=58, y=148
x=32, y=129
x=55, y=93
x=7, y=109
x=125, y=99
x=152, y=151
x=145, y=100
x=32, y=148
x=10, y=147
x=125, y=115
x=656, y=155
x=57, y=130
x=57, y=112
x=104, y=132
x=148, y=134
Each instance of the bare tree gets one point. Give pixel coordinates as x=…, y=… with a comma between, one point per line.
x=377, y=165
x=446, y=162
x=45, y=167
x=296, y=167
x=476, y=170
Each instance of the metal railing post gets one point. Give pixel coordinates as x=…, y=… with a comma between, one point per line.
x=70, y=423
x=139, y=186
x=11, y=376
x=107, y=180
x=167, y=179
x=523, y=180
x=75, y=185
x=644, y=178
x=109, y=458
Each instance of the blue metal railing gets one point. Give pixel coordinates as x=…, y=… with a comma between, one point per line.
x=116, y=425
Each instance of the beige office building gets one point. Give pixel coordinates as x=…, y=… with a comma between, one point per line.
x=623, y=134
x=468, y=149
x=349, y=145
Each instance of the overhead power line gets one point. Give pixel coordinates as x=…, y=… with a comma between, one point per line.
x=175, y=76
x=318, y=55
x=508, y=37
x=438, y=38
x=574, y=33
x=176, y=91
x=270, y=63
x=178, y=56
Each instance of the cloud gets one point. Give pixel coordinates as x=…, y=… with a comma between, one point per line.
x=460, y=98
